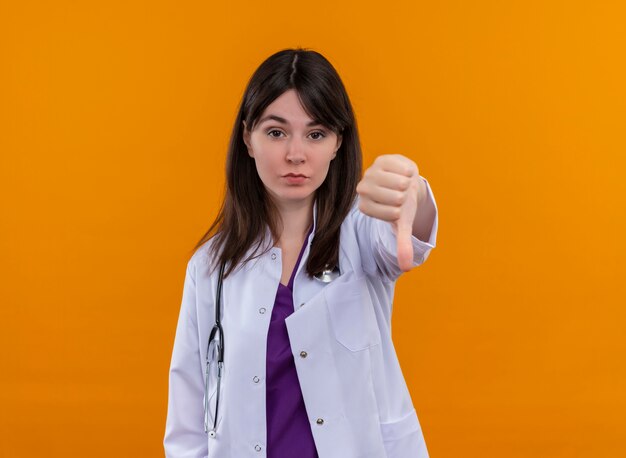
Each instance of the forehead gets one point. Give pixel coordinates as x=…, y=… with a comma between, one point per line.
x=286, y=108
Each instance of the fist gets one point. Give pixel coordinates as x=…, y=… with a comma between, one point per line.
x=389, y=191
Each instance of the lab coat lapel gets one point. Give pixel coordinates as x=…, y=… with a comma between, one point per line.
x=335, y=381
x=310, y=336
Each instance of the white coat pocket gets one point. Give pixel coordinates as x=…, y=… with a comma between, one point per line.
x=403, y=435
x=351, y=313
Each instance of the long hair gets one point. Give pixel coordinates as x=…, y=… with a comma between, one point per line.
x=247, y=211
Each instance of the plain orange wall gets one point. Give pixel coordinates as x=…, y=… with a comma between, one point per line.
x=114, y=122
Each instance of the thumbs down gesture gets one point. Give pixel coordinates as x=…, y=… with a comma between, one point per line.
x=391, y=190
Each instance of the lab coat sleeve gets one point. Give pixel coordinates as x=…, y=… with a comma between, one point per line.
x=378, y=243
x=184, y=430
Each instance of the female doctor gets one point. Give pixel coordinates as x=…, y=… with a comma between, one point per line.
x=300, y=361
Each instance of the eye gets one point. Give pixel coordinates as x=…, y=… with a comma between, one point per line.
x=321, y=135
x=274, y=130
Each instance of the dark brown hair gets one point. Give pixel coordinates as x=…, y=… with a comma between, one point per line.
x=246, y=210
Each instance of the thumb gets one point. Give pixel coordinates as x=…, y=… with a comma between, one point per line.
x=404, y=233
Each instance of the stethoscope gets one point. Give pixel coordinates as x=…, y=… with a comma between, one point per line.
x=219, y=349
x=326, y=276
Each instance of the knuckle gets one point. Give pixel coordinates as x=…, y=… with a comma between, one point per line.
x=381, y=159
x=363, y=189
x=410, y=166
x=399, y=198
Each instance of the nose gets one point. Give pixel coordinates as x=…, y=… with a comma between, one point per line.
x=295, y=151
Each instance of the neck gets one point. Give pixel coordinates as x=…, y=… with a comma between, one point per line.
x=297, y=218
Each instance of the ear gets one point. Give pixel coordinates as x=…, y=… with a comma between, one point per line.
x=246, y=139
x=339, y=140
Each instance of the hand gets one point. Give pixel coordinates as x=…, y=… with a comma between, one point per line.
x=389, y=191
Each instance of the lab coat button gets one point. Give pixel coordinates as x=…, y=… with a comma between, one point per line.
x=256, y=379
x=257, y=447
x=262, y=310
x=303, y=354
x=273, y=256
x=320, y=421
x=301, y=304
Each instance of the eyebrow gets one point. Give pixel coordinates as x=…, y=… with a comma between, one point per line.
x=284, y=121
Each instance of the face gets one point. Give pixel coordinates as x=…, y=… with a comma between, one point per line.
x=291, y=152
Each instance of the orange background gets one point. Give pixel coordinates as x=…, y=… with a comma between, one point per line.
x=114, y=122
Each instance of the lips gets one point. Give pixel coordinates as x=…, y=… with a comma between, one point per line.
x=295, y=178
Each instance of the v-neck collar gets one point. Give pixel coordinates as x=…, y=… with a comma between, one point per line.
x=295, y=267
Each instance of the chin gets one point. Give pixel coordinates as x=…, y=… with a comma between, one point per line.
x=295, y=196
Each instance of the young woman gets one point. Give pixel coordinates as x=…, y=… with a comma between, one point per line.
x=291, y=355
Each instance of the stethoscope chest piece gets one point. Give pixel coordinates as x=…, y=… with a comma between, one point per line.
x=328, y=275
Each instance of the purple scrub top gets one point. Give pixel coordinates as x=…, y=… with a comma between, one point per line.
x=288, y=427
